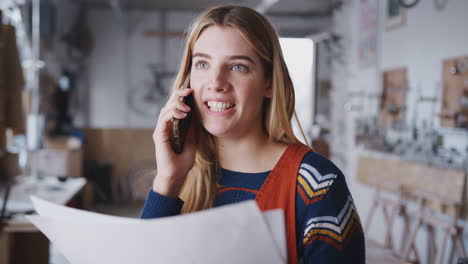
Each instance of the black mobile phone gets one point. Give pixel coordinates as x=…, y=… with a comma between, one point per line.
x=180, y=126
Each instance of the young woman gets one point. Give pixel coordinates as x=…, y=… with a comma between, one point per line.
x=241, y=145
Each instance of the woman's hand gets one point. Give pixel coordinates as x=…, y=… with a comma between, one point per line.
x=173, y=167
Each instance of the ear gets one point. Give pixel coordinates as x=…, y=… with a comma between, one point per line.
x=268, y=89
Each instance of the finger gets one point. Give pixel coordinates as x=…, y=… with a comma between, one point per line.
x=179, y=114
x=178, y=93
x=183, y=92
x=173, y=114
x=165, y=124
x=173, y=95
x=182, y=106
x=175, y=101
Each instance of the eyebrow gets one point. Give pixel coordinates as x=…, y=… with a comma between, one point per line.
x=234, y=57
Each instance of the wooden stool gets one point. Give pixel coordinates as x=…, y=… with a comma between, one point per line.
x=427, y=216
x=385, y=253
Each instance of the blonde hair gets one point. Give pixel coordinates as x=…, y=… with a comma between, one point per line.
x=199, y=189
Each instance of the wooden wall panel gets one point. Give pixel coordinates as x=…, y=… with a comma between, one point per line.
x=126, y=149
x=2, y=138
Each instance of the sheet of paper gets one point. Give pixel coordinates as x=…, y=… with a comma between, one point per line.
x=55, y=211
x=275, y=222
x=274, y=219
x=237, y=233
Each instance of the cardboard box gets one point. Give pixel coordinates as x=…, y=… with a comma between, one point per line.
x=58, y=162
x=62, y=142
x=56, y=143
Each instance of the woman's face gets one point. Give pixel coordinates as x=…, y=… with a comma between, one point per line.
x=229, y=83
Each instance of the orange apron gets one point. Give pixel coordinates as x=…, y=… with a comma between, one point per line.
x=279, y=191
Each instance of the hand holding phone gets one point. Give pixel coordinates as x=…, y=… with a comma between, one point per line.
x=180, y=126
x=174, y=159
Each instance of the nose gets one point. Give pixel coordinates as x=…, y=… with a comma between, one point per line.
x=218, y=80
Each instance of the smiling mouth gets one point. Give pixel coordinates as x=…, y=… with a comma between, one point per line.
x=219, y=106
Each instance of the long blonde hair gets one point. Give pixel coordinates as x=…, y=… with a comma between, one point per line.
x=199, y=189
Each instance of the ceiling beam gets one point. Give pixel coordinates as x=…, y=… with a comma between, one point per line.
x=265, y=5
x=305, y=14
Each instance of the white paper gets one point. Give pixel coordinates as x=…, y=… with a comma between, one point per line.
x=275, y=222
x=238, y=233
x=54, y=211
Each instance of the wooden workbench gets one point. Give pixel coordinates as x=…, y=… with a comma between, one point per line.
x=20, y=241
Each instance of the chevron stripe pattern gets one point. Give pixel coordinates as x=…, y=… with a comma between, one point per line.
x=336, y=231
x=312, y=185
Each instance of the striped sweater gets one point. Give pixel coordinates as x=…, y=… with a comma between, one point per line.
x=327, y=223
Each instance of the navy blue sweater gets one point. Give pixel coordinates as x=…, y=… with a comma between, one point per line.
x=327, y=223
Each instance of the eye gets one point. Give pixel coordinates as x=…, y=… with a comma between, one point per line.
x=240, y=67
x=201, y=65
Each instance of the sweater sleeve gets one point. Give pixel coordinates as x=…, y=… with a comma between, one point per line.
x=327, y=223
x=157, y=205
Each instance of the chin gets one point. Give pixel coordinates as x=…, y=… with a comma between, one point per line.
x=217, y=130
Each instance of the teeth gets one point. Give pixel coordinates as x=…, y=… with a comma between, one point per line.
x=219, y=106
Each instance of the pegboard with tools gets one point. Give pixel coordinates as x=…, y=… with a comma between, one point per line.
x=393, y=101
x=455, y=93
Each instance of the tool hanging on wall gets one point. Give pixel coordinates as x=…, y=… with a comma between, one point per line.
x=459, y=67
x=440, y=4
x=408, y=3
x=61, y=104
x=79, y=39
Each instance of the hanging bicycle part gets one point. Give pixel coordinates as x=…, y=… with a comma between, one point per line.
x=79, y=39
x=408, y=3
x=147, y=100
x=440, y=4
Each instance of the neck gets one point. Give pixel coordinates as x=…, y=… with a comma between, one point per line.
x=254, y=153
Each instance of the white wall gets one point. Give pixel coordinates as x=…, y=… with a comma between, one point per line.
x=120, y=60
x=426, y=39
